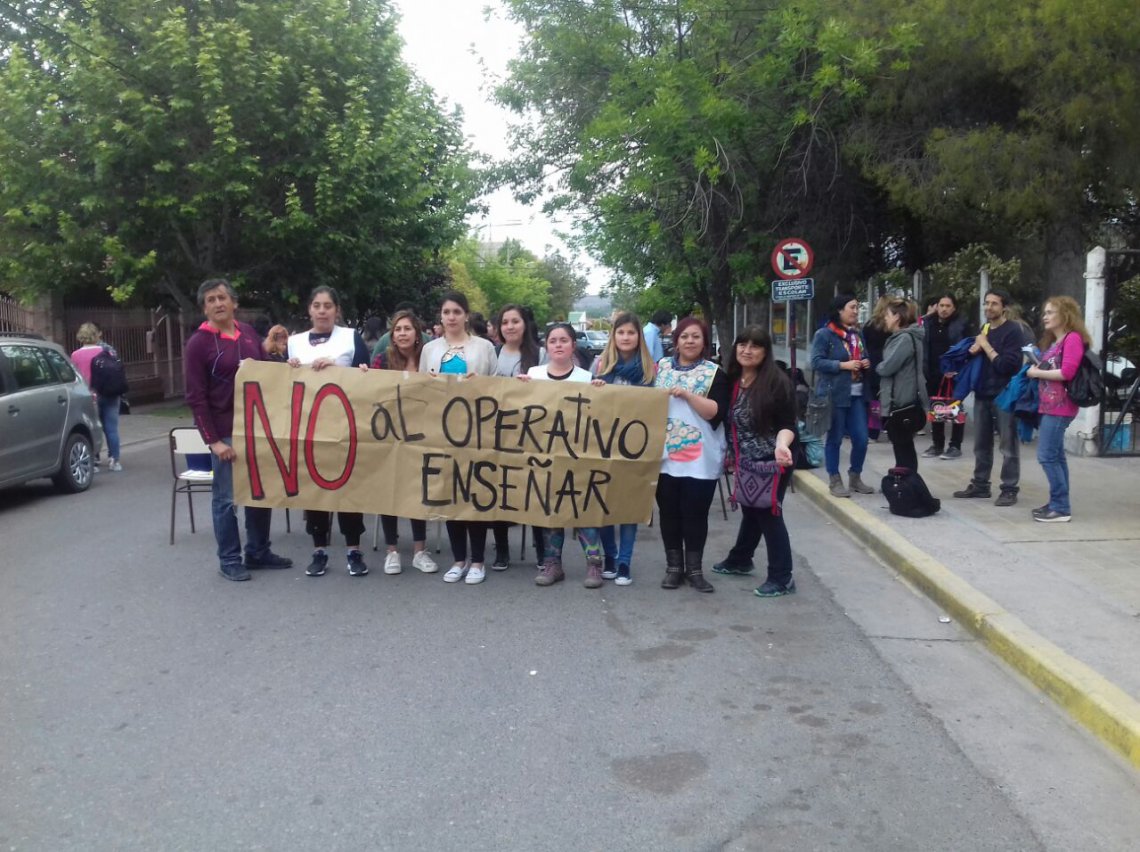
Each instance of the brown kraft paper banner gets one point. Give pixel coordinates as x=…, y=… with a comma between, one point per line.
x=414, y=446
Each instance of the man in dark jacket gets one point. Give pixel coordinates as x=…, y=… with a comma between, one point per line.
x=212, y=356
x=944, y=328
x=999, y=343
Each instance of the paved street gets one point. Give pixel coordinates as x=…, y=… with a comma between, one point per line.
x=149, y=704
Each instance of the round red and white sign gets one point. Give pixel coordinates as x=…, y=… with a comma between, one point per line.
x=792, y=258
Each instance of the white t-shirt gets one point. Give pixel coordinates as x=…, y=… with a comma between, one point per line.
x=542, y=372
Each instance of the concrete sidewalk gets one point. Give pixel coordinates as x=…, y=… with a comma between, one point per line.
x=1022, y=586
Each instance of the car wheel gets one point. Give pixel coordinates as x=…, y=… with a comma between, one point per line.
x=78, y=465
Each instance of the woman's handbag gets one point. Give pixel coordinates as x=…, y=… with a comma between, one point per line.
x=757, y=485
x=944, y=406
x=912, y=417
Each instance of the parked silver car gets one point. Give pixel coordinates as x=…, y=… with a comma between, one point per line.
x=48, y=423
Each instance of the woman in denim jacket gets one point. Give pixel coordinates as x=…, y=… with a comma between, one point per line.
x=839, y=361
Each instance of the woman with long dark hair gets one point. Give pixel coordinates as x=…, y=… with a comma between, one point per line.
x=328, y=344
x=520, y=351
x=405, y=343
x=624, y=361
x=694, y=451
x=762, y=428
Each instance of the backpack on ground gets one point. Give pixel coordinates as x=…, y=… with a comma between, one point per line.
x=907, y=494
x=1087, y=385
x=108, y=375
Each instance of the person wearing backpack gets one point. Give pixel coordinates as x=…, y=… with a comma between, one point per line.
x=101, y=368
x=1063, y=347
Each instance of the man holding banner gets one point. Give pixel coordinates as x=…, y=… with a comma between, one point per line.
x=212, y=357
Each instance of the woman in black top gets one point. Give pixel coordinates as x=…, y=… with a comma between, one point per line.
x=762, y=427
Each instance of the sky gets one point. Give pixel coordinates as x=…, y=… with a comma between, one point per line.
x=444, y=41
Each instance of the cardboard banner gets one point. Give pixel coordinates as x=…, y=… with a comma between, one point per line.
x=414, y=446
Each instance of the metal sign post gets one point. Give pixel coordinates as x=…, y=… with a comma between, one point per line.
x=792, y=259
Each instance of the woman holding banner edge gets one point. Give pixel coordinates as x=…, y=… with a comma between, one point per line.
x=625, y=361
x=460, y=353
x=560, y=367
x=327, y=344
x=403, y=353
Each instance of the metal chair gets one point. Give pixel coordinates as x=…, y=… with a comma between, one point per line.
x=192, y=474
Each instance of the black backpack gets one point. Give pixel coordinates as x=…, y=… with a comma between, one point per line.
x=1087, y=385
x=108, y=376
x=907, y=494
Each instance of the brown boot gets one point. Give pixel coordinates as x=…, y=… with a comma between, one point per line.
x=696, y=576
x=674, y=569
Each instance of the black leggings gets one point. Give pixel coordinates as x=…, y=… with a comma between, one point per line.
x=683, y=503
x=391, y=536
x=458, y=532
x=319, y=525
x=902, y=442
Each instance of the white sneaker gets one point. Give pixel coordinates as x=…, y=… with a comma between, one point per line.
x=392, y=563
x=423, y=561
x=455, y=573
x=114, y=466
x=475, y=574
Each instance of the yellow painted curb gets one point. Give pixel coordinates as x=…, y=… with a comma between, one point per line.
x=1102, y=707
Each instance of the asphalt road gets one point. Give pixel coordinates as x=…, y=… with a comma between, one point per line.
x=149, y=704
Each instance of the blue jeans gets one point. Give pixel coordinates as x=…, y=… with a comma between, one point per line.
x=847, y=421
x=225, y=518
x=622, y=553
x=109, y=414
x=1051, y=457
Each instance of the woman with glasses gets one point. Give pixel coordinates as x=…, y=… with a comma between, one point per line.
x=325, y=345
x=460, y=353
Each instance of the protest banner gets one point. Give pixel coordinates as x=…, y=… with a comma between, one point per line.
x=418, y=446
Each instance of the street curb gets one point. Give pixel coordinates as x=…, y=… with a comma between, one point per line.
x=1102, y=707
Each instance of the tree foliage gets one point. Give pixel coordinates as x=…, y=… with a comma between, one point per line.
x=150, y=145
x=692, y=133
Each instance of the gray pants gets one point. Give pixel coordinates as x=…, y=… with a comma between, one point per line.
x=986, y=413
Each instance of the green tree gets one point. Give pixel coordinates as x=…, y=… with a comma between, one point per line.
x=150, y=145
x=693, y=134
x=1015, y=125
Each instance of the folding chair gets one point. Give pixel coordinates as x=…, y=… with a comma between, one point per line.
x=193, y=474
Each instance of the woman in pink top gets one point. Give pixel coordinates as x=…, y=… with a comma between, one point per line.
x=1063, y=347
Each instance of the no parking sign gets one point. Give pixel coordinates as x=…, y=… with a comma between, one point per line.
x=792, y=258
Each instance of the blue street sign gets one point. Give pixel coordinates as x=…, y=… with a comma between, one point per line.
x=793, y=290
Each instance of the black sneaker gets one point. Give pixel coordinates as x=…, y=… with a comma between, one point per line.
x=234, y=571
x=268, y=560
x=319, y=565
x=1052, y=516
x=502, y=562
x=973, y=490
x=356, y=566
x=727, y=567
x=1040, y=510
x=775, y=590
x=1006, y=498
x=932, y=452
x=609, y=569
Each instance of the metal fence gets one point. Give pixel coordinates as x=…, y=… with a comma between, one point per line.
x=14, y=317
